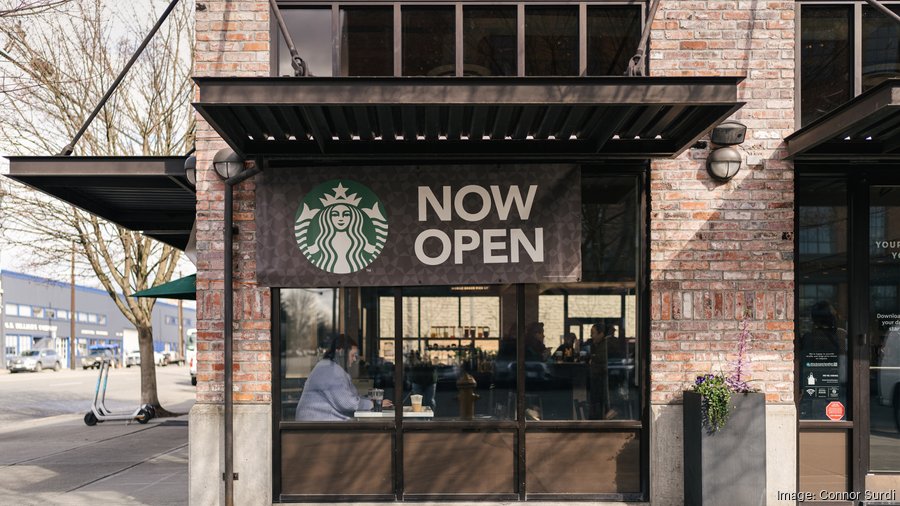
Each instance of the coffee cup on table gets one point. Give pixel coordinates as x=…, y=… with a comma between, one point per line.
x=416, y=401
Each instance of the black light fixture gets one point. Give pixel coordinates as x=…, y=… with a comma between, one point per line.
x=724, y=161
x=190, y=169
x=227, y=163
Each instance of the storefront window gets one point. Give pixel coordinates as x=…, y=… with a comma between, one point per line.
x=452, y=360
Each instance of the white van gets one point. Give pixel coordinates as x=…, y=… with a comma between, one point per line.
x=190, y=353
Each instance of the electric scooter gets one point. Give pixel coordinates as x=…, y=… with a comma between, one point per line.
x=100, y=413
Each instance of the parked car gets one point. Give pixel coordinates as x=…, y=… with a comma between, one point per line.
x=96, y=357
x=35, y=361
x=132, y=358
x=172, y=357
x=160, y=359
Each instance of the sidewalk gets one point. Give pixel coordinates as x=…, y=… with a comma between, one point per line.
x=61, y=461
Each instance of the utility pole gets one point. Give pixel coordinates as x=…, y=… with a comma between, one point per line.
x=72, y=315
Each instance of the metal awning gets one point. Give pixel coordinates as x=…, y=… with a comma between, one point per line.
x=181, y=288
x=143, y=193
x=503, y=118
x=865, y=128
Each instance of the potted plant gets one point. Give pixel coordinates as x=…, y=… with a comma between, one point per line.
x=725, y=436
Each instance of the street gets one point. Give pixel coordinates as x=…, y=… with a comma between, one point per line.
x=49, y=456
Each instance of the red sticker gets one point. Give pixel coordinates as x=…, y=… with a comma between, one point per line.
x=834, y=411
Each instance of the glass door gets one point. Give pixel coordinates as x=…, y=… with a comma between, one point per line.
x=848, y=335
x=884, y=329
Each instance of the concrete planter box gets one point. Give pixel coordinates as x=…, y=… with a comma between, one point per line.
x=728, y=466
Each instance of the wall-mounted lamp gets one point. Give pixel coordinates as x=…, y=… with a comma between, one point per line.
x=724, y=161
x=190, y=169
x=227, y=163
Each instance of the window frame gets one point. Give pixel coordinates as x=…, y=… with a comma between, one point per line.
x=335, y=6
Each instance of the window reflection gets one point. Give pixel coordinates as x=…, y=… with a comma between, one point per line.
x=825, y=72
x=822, y=346
x=881, y=50
x=429, y=41
x=311, y=31
x=613, y=37
x=551, y=41
x=367, y=41
x=489, y=41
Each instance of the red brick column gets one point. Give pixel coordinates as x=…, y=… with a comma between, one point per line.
x=232, y=39
x=720, y=250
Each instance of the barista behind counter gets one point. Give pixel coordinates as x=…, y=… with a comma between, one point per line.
x=329, y=394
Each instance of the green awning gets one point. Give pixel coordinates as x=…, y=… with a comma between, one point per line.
x=184, y=288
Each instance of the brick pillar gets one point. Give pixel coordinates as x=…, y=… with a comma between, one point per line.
x=720, y=251
x=232, y=39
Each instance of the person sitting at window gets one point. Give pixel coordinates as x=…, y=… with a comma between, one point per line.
x=329, y=394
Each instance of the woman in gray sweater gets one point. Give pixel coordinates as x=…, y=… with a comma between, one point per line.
x=329, y=394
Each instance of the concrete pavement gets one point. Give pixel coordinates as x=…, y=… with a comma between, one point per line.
x=58, y=460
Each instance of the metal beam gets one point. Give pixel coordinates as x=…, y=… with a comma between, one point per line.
x=495, y=91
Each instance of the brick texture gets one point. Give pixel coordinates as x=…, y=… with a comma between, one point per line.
x=722, y=251
x=232, y=39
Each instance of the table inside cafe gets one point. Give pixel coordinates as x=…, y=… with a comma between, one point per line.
x=389, y=413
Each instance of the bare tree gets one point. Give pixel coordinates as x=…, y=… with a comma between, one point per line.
x=51, y=76
x=19, y=8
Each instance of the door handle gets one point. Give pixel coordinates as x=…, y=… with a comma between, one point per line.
x=863, y=339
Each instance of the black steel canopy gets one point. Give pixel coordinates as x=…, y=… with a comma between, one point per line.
x=143, y=193
x=865, y=128
x=506, y=118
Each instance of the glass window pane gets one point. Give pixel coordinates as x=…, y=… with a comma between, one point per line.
x=429, y=41
x=884, y=321
x=367, y=41
x=311, y=31
x=609, y=228
x=881, y=50
x=489, y=41
x=12, y=310
x=551, y=41
x=826, y=78
x=37, y=312
x=613, y=37
x=460, y=340
x=822, y=289
x=25, y=311
x=308, y=323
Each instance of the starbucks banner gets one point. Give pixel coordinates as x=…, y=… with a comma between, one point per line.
x=411, y=225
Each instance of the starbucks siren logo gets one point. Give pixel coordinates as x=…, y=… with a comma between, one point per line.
x=340, y=226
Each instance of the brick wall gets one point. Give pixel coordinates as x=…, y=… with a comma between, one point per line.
x=232, y=39
x=720, y=250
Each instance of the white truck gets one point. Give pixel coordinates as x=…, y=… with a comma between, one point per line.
x=131, y=348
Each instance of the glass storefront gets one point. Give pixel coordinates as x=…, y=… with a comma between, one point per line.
x=501, y=391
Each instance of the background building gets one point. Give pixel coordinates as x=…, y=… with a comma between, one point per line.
x=36, y=314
